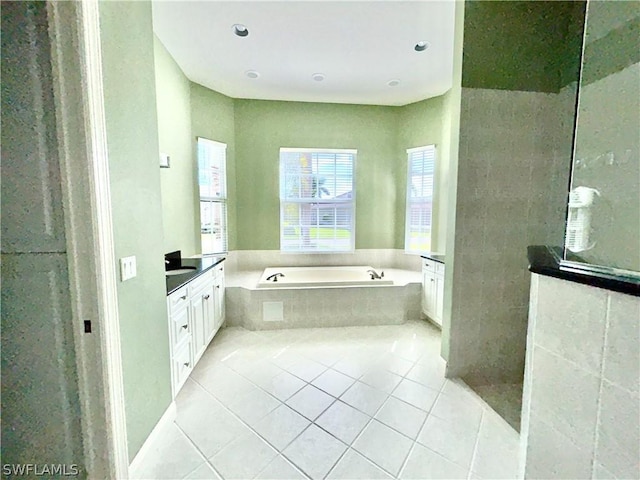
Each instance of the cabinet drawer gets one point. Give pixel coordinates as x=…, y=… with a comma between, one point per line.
x=219, y=270
x=178, y=299
x=429, y=265
x=201, y=282
x=179, y=325
x=182, y=366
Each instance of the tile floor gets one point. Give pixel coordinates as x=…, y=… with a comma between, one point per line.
x=335, y=403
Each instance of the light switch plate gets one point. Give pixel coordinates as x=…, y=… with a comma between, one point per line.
x=127, y=268
x=165, y=161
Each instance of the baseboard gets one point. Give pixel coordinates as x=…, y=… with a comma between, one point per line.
x=167, y=417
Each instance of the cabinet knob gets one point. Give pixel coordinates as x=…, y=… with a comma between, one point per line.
x=206, y=297
x=185, y=326
x=433, y=279
x=184, y=297
x=187, y=364
x=218, y=286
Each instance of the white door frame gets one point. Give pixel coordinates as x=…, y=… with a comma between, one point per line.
x=81, y=131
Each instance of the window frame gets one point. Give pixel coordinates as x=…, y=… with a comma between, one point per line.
x=351, y=201
x=410, y=200
x=222, y=199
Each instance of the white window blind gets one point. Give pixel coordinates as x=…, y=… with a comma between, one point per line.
x=212, y=182
x=420, y=176
x=317, y=200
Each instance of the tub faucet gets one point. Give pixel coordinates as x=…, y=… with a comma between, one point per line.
x=275, y=276
x=374, y=275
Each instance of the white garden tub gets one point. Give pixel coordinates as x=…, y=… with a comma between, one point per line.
x=320, y=277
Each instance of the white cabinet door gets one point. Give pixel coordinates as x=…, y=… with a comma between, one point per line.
x=198, y=320
x=219, y=298
x=209, y=299
x=439, y=299
x=428, y=293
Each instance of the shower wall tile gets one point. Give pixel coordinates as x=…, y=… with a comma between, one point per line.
x=571, y=322
x=622, y=349
x=551, y=454
x=592, y=403
x=506, y=162
x=618, y=443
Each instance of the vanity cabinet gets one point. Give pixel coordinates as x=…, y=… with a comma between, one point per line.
x=433, y=290
x=196, y=312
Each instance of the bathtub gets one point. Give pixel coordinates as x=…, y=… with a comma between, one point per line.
x=321, y=277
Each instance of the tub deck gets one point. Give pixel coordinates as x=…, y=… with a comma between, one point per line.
x=321, y=277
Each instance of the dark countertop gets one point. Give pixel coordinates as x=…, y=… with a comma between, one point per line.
x=436, y=257
x=174, y=282
x=543, y=261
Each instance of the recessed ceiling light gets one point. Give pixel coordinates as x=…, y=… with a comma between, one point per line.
x=393, y=83
x=318, y=77
x=252, y=74
x=240, y=30
x=421, y=46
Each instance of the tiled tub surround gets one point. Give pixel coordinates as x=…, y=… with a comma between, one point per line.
x=339, y=403
x=581, y=404
x=252, y=260
x=295, y=307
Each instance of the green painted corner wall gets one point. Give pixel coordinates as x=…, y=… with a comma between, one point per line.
x=450, y=148
x=180, y=215
x=262, y=127
x=132, y=139
x=420, y=124
x=254, y=131
x=213, y=117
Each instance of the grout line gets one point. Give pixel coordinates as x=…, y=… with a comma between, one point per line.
x=415, y=441
x=475, y=447
x=279, y=452
x=372, y=418
x=286, y=459
x=197, y=449
x=605, y=339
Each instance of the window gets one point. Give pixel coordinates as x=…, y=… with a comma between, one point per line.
x=421, y=169
x=317, y=200
x=212, y=181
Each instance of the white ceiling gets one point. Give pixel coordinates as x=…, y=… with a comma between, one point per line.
x=360, y=46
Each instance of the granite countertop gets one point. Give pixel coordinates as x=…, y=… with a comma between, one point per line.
x=436, y=257
x=174, y=282
x=543, y=261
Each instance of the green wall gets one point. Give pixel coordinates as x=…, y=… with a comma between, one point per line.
x=180, y=214
x=262, y=127
x=420, y=124
x=132, y=138
x=450, y=149
x=212, y=117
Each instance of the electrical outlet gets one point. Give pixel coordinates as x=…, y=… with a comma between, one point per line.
x=127, y=268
